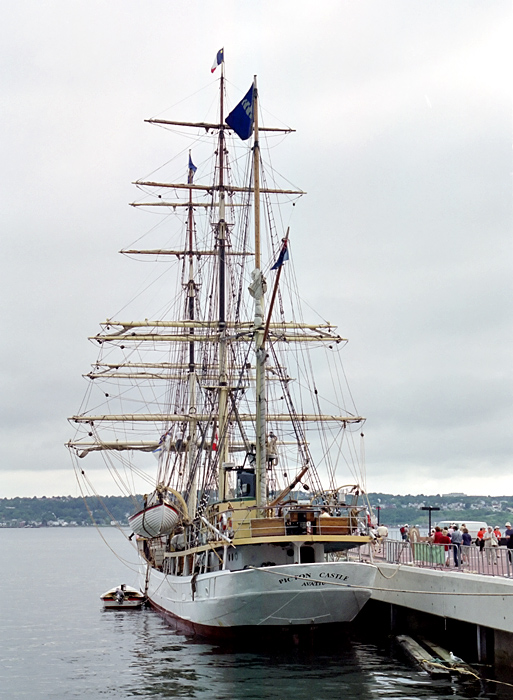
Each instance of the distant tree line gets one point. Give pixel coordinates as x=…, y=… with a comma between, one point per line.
x=398, y=510
x=393, y=510
x=60, y=510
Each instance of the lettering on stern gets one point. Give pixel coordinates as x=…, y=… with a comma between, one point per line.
x=332, y=575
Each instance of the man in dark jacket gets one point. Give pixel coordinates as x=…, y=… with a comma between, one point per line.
x=509, y=543
x=456, y=540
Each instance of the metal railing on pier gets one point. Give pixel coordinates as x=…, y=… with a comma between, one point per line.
x=489, y=561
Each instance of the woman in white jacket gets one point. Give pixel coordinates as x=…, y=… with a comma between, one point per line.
x=490, y=544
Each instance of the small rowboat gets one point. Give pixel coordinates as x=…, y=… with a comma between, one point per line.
x=122, y=597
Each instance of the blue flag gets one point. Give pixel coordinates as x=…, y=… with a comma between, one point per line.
x=192, y=170
x=240, y=119
x=218, y=60
x=284, y=255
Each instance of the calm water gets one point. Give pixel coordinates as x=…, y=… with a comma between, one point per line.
x=56, y=641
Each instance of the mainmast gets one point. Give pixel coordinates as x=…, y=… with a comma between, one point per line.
x=258, y=293
x=221, y=243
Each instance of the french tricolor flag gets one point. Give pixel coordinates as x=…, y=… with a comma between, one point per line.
x=219, y=59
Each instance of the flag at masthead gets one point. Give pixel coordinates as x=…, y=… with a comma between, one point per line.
x=218, y=60
x=241, y=118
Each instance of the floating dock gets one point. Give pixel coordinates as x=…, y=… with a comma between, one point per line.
x=422, y=658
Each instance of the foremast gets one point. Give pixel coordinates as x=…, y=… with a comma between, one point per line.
x=192, y=378
x=221, y=244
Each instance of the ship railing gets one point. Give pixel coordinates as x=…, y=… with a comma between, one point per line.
x=342, y=520
x=487, y=561
x=239, y=522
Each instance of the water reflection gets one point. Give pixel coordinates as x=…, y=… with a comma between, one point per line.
x=165, y=664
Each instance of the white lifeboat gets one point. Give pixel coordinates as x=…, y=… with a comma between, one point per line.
x=155, y=520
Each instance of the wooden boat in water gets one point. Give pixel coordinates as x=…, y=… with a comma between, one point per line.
x=122, y=597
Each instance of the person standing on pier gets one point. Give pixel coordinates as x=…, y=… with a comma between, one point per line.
x=490, y=545
x=509, y=543
x=456, y=540
x=479, y=538
x=465, y=545
x=441, y=537
x=382, y=534
x=437, y=535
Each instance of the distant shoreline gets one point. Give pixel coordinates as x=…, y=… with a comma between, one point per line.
x=113, y=511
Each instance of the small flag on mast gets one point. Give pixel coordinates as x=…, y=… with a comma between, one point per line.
x=284, y=255
x=218, y=60
x=240, y=118
x=192, y=171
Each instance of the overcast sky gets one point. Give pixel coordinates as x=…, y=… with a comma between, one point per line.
x=403, y=143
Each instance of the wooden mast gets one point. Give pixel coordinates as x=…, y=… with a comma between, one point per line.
x=259, y=290
x=256, y=174
x=191, y=296
x=221, y=241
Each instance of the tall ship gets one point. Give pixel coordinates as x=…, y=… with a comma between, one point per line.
x=255, y=507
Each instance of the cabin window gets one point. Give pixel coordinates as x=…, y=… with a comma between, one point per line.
x=246, y=483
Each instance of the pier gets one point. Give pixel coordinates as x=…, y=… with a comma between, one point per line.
x=418, y=581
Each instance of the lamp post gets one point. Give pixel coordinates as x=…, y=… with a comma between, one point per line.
x=378, y=508
x=429, y=508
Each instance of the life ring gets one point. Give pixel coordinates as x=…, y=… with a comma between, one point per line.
x=223, y=522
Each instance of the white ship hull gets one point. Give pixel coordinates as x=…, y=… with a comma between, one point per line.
x=296, y=595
